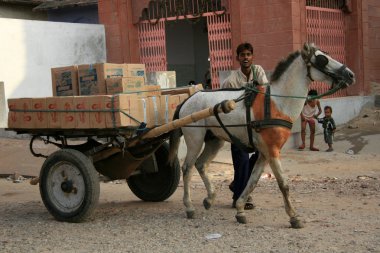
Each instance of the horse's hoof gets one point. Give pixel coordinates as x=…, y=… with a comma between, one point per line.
x=190, y=214
x=206, y=204
x=296, y=222
x=241, y=219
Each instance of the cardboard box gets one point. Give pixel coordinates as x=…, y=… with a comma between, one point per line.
x=54, y=117
x=67, y=114
x=40, y=117
x=149, y=91
x=82, y=116
x=169, y=104
x=20, y=118
x=145, y=91
x=147, y=110
x=65, y=81
x=140, y=110
x=133, y=70
x=13, y=117
x=124, y=84
x=121, y=105
x=92, y=77
x=97, y=111
x=154, y=114
x=165, y=79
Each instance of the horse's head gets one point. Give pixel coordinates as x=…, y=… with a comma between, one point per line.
x=321, y=67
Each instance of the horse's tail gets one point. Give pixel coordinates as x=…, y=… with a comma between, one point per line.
x=174, y=139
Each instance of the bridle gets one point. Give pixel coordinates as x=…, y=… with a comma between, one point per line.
x=320, y=64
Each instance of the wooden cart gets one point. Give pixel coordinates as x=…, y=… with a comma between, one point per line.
x=69, y=179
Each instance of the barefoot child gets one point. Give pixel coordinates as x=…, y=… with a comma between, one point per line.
x=329, y=127
x=309, y=112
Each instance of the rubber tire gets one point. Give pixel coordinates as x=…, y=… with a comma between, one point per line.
x=91, y=184
x=159, y=186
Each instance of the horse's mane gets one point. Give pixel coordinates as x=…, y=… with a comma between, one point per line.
x=283, y=65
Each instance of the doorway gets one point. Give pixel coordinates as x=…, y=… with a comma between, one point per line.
x=190, y=46
x=187, y=50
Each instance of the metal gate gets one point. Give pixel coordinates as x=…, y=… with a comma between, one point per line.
x=219, y=39
x=325, y=27
x=152, y=42
x=152, y=32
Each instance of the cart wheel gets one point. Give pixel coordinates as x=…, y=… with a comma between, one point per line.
x=160, y=185
x=69, y=185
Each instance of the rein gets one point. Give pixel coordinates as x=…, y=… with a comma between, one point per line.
x=337, y=87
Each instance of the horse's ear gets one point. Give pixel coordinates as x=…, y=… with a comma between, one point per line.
x=306, y=49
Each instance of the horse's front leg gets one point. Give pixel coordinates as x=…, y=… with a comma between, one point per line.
x=252, y=182
x=282, y=181
x=208, y=154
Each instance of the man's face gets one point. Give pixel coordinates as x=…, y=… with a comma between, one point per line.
x=245, y=58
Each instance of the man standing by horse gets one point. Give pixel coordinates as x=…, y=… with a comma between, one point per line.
x=243, y=162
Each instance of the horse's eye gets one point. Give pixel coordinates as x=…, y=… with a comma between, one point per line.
x=321, y=61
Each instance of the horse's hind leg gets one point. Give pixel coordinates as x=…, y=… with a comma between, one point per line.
x=194, y=146
x=284, y=187
x=211, y=149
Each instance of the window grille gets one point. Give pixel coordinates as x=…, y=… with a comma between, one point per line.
x=329, y=4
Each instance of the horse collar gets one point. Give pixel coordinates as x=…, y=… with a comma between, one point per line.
x=268, y=121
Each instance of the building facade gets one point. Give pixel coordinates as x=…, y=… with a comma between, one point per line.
x=194, y=36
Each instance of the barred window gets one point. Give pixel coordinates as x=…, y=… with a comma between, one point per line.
x=330, y=4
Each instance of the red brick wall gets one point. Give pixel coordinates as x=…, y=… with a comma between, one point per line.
x=374, y=40
x=121, y=34
x=269, y=26
x=275, y=28
x=357, y=46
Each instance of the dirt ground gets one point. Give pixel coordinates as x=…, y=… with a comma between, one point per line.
x=336, y=193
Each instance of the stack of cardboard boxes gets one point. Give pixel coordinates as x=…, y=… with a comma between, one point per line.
x=102, y=95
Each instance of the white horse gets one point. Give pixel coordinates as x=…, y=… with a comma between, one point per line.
x=288, y=90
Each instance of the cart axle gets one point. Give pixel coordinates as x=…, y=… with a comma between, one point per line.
x=68, y=186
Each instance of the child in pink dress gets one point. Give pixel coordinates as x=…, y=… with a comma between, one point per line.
x=308, y=114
